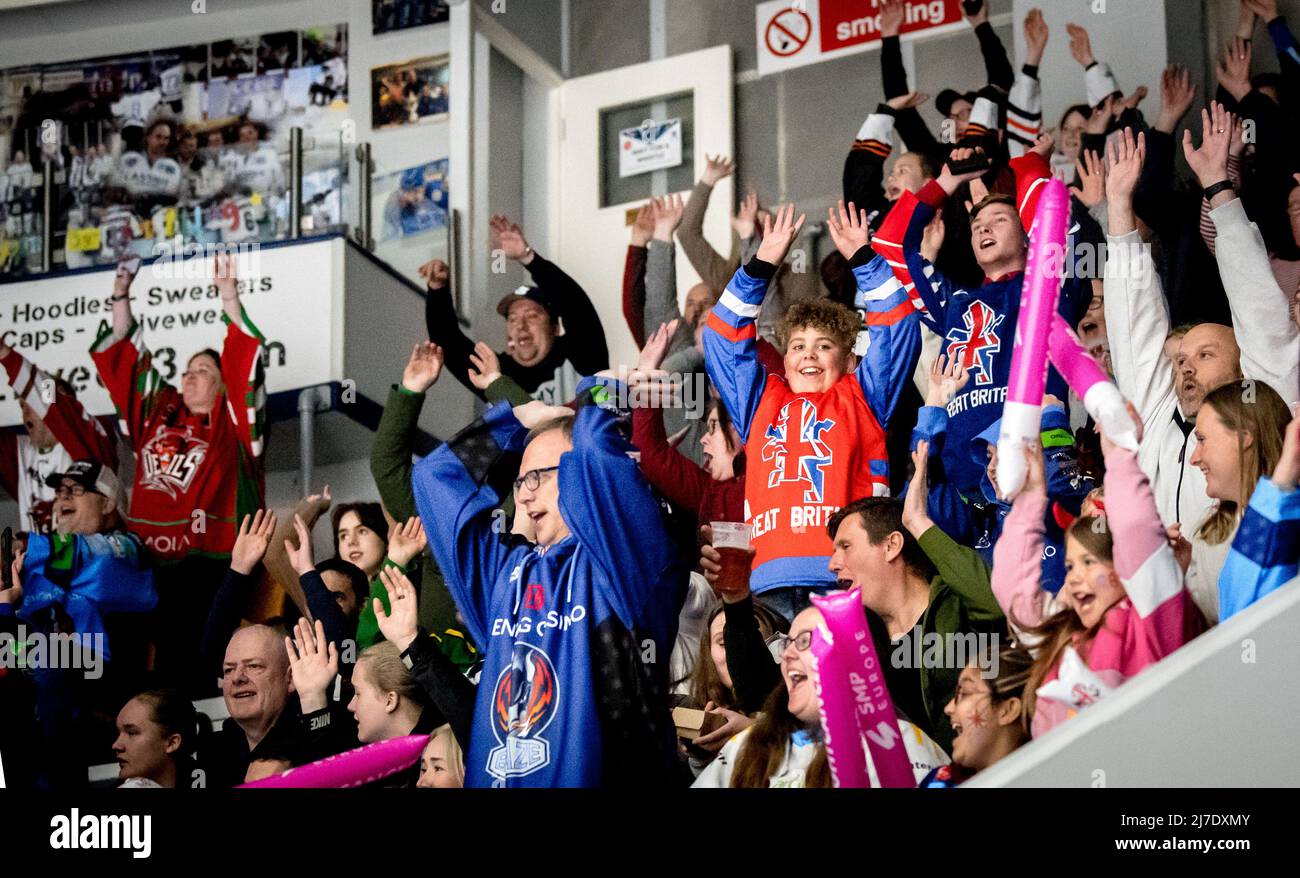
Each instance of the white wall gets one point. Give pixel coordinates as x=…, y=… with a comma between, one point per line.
x=1217, y=713
x=1130, y=36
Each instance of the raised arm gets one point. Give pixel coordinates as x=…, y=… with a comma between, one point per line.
x=996, y=63
x=391, y=452
x=674, y=474
x=241, y=363
x=634, y=267
x=81, y=435
x=1018, y=554
x=443, y=324
x=1137, y=315
x=712, y=267
x=661, y=274
x=582, y=327
x=730, y=354
x=457, y=489
x=1269, y=343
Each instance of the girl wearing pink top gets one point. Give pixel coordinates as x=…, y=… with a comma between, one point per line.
x=1122, y=607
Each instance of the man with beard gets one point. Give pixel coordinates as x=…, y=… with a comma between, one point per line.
x=544, y=361
x=1261, y=345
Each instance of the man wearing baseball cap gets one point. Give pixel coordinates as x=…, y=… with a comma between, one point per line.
x=553, y=334
x=93, y=580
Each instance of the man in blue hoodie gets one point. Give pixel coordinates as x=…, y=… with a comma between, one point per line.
x=576, y=628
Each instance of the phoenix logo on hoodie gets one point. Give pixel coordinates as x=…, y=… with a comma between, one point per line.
x=978, y=343
x=802, y=457
x=524, y=701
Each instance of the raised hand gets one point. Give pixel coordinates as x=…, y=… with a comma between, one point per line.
x=313, y=664
x=127, y=268
x=916, y=514
x=1124, y=156
x=405, y=541
x=300, y=557
x=535, y=413
x=401, y=623
x=485, y=366
x=1181, y=546
x=1265, y=9
x=1035, y=470
x=1233, y=69
x=1177, y=91
x=1080, y=45
x=1091, y=189
x=932, y=237
x=746, y=216
x=1044, y=143
x=716, y=167
x=908, y=101
x=224, y=275
x=892, y=14
x=507, y=237
x=656, y=347
x=1210, y=161
x=1101, y=116
x=668, y=216
x=950, y=181
x=1131, y=102
x=643, y=228
x=946, y=380
x=252, y=541
x=779, y=233
x=980, y=17
x=423, y=368
x=849, y=229
x=435, y=273
x=1035, y=37
x=316, y=505
x=1285, y=475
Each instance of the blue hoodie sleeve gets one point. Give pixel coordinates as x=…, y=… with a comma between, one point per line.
x=944, y=503
x=608, y=506
x=730, y=344
x=1265, y=554
x=893, y=334
x=457, y=503
x=610, y=509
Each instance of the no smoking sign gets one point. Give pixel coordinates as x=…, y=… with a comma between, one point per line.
x=788, y=31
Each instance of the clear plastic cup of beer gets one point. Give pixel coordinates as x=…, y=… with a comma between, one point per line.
x=731, y=541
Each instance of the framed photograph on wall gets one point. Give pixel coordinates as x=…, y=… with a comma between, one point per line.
x=410, y=92
x=395, y=15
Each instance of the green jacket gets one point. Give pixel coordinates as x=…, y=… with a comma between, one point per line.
x=961, y=602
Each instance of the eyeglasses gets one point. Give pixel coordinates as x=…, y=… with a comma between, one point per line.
x=63, y=491
x=532, y=480
x=781, y=642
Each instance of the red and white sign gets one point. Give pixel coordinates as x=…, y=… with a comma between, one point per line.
x=793, y=33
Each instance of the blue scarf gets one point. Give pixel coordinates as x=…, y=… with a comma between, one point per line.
x=109, y=574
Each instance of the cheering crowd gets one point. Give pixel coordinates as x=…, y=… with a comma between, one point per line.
x=555, y=596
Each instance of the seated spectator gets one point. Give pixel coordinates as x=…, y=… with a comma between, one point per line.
x=199, y=460
x=1123, y=605
x=816, y=433
x=987, y=714
x=544, y=362
x=1266, y=551
x=568, y=697
x=442, y=764
x=783, y=748
x=59, y=431
x=156, y=734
